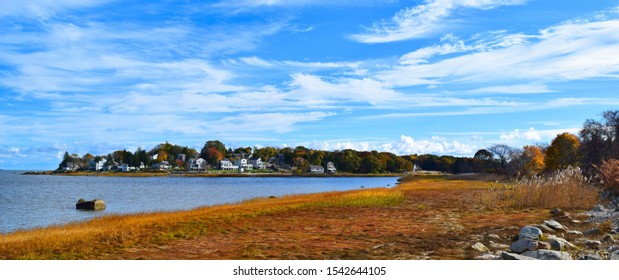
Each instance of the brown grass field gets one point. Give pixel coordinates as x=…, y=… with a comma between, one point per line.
x=425, y=218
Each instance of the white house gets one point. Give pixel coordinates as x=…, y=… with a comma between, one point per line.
x=124, y=167
x=257, y=163
x=97, y=165
x=164, y=165
x=197, y=164
x=242, y=164
x=227, y=165
x=317, y=169
x=331, y=168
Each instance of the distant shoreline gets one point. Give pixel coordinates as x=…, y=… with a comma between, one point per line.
x=191, y=174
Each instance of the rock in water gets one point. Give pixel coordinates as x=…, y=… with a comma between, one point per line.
x=548, y=255
x=530, y=232
x=96, y=204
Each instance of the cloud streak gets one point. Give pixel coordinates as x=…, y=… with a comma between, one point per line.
x=422, y=20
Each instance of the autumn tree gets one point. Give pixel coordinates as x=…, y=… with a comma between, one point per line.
x=213, y=152
x=533, y=160
x=562, y=152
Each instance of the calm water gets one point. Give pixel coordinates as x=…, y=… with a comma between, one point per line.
x=33, y=201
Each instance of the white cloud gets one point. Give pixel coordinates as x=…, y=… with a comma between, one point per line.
x=566, y=52
x=533, y=135
x=44, y=9
x=514, y=89
x=406, y=145
x=422, y=20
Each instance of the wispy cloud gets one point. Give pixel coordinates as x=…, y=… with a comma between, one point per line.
x=422, y=20
x=566, y=52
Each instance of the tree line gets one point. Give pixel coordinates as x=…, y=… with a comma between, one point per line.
x=597, y=142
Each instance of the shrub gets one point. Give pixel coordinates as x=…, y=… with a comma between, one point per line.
x=608, y=172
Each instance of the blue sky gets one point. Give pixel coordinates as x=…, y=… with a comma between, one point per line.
x=434, y=76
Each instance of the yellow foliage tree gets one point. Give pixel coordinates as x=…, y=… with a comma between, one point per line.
x=534, y=160
x=563, y=152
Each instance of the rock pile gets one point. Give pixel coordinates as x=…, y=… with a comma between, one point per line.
x=553, y=240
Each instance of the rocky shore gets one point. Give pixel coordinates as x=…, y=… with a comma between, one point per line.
x=592, y=235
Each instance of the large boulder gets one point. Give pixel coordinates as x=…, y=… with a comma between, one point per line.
x=548, y=255
x=96, y=204
x=516, y=257
x=523, y=245
x=529, y=232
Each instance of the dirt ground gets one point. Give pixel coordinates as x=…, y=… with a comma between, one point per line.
x=437, y=220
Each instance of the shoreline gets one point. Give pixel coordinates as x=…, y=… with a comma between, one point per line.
x=190, y=174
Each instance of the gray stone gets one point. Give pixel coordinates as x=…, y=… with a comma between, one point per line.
x=488, y=257
x=554, y=225
x=499, y=246
x=590, y=257
x=608, y=238
x=543, y=245
x=593, y=244
x=560, y=244
x=548, y=255
x=530, y=232
x=480, y=247
x=598, y=208
x=512, y=256
x=523, y=245
x=545, y=228
x=493, y=237
x=593, y=231
x=573, y=232
x=612, y=248
x=614, y=255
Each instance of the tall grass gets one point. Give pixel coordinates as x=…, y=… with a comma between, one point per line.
x=608, y=172
x=566, y=189
x=108, y=234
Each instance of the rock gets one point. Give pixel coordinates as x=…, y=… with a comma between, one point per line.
x=556, y=212
x=614, y=255
x=543, y=245
x=593, y=231
x=612, y=248
x=598, y=208
x=480, y=247
x=545, y=228
x=548, y=255
x=589, y=257
x=493, y=237
x=499, y=246
x=593, y=244
x=488, y=257
x=555, y=225
x=523, y=245
x=560, y=244
x=512, y=256
x=530, y=232
x=573, y=232
x=96, y=204
x=608, y=238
